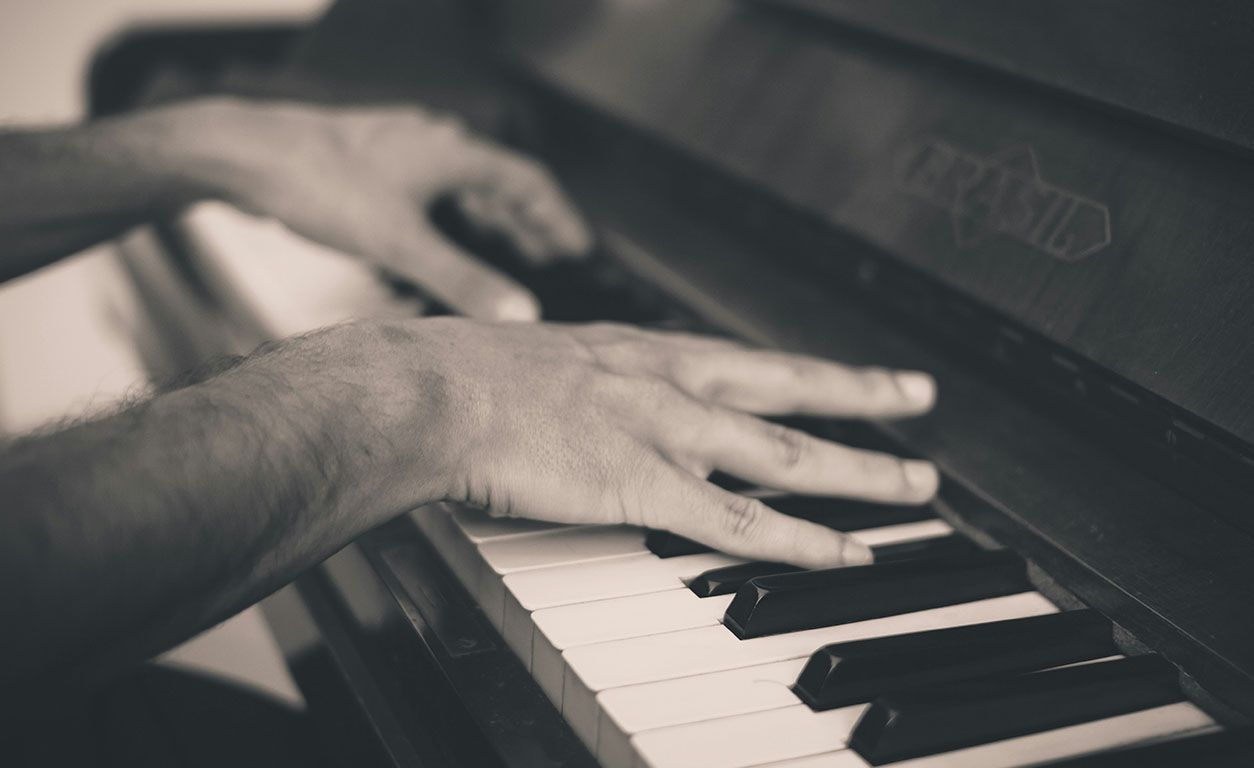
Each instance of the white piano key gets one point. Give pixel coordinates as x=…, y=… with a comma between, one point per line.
x=633, y=709
x=479, y=526
x=556, y=629
x=457, y=531
x=594, y=581
x=893, y=534
x=591, y=669
x=746, y=740
x=481, y=567
x=569, y=626
x=1135, y=728
x=602, y=580
x=575, y=544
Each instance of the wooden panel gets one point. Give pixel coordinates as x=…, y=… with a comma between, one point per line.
x=837, y=124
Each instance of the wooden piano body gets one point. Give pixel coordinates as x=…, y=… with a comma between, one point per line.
x=1062, y=238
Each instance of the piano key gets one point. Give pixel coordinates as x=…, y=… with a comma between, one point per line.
x=575, y=544
x=590, y=669
x=456, y=531
x=482, y=567
x=528, y=591
x=1217, y=749
x=841, y=514
x=635, y=709
x=1095, y=738
x=570, y=626
x=944, y=718
x=728, y=579
x=479, y=526
x=741, y=741
x=604, y=579
x=667, y=544
x=459, y=552
x=601, y=581
x=632, y=709
x=796, y=731
x=792, y=602
x=849, y=673
x=953, y=545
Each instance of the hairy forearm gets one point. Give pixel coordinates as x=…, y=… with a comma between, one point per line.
x=127, y=534
x=65, y=188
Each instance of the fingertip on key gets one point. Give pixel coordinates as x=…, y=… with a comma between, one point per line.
x=923, y=478
x=918, y=388
x=833, y=549
x=857, y=553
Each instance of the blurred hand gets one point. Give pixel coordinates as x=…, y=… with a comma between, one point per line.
x=611, y=424
x=362, y=180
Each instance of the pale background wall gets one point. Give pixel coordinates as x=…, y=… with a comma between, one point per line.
x=62, y=348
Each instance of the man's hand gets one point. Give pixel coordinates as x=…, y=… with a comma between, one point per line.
x=360, y=180
x=363, y=180
x=611, y=424
x=148, y=525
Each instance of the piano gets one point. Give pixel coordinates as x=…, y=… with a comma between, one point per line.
x=1045, y=206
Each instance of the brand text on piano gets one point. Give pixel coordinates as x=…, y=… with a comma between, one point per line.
x=1003, y=193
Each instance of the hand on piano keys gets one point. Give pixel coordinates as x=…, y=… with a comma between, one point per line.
x=614, y=425
x=363, y=181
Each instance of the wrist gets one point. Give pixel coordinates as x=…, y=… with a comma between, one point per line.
x=385, y=398
x=204, y=149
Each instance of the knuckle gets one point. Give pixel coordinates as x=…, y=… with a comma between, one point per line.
x=799, y=368
x=790, y=446
x=742, y=518
x=876, y=384
x=881, y=465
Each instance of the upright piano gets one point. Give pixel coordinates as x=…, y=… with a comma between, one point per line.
x=1047, y=206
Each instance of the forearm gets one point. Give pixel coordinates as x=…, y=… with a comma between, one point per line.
x=66, y=188
x=130, y=533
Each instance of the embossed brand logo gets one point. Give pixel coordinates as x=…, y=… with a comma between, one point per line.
x=1003, y=194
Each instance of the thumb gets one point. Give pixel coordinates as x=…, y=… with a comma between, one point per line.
x=461, y=281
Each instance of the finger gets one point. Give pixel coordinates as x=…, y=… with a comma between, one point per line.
x=746, y=527
x=791, y=460
x=461, y=281
x=499, y=215
x=769, y=383
x=532, y=193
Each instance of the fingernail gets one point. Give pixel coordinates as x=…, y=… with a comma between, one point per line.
x=857, y=553
x=918, y=387
x=921, y=475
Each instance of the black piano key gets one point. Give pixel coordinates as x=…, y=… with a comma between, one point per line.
x=729, y=483
x=926, y=721
x=1222, y=749
x=850, y=673
x=841, y=514
x=953, y=545
x=790, y=602
x=726, y=580
x=667, y=544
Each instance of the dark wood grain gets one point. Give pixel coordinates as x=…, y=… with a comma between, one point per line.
x=1177, y=63
x=822, y=120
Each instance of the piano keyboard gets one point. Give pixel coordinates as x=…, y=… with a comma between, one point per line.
x=940, y=654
